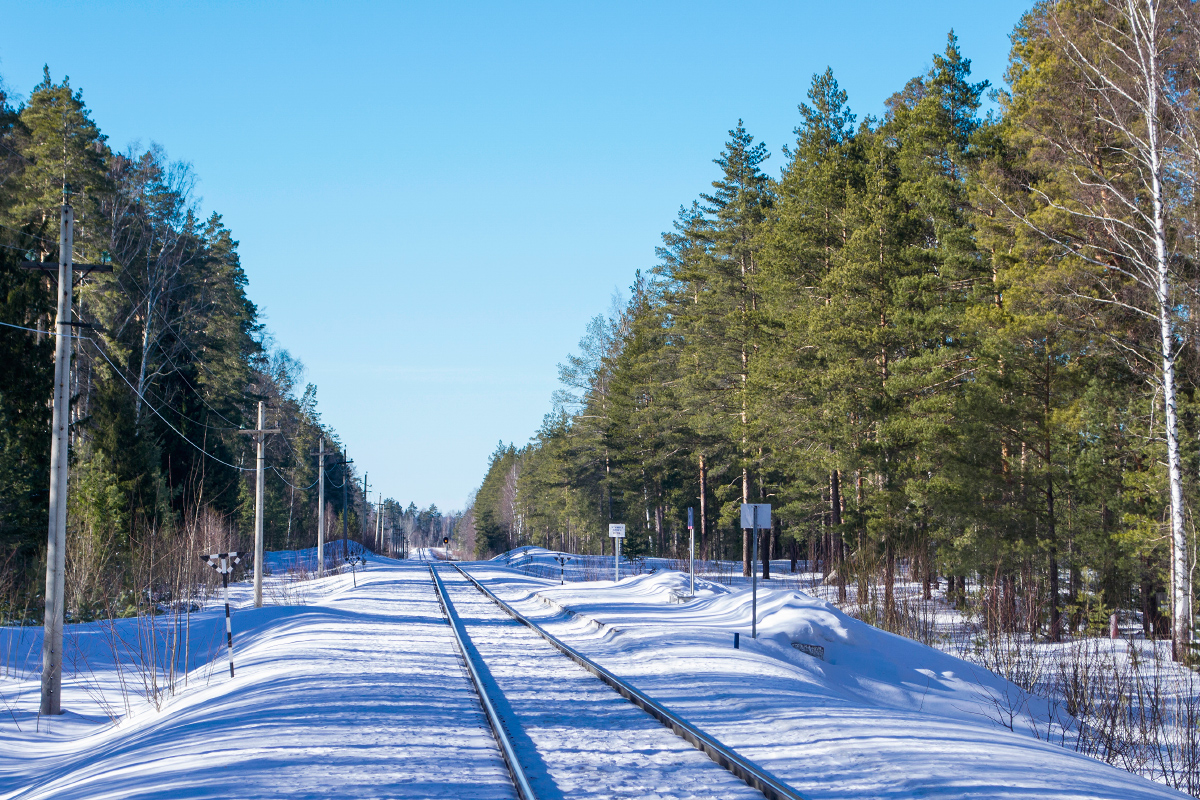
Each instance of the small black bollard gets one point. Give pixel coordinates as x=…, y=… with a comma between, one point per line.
x=737, y=639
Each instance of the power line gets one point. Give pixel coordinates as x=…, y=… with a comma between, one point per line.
x=30, y=235
x=199, y=362
x=199, y=396
x=289, y=483
x=150, y=406
x=182, y=415
x=15, y=153
x=31, y=330
x=200, y=449
x=183, y=343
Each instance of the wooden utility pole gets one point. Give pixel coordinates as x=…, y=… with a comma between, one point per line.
x=260, y=435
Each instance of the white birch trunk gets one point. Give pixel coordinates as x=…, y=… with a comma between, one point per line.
x=1181, y=589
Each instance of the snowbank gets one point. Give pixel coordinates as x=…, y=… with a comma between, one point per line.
x=350, y=687
x=835, y=706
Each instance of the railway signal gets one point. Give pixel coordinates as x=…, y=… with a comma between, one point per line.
x=223, y=563
x=755, y=515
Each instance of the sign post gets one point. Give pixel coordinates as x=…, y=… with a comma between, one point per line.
x=562, y=560
x=692, y=553
x=223, y=563
x=755, y=515
x=616, y=532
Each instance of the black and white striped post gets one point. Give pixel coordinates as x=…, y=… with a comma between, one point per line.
x=562, y=560
x=223, y=563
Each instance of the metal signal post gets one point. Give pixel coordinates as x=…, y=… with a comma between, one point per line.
x=616, y=532
x=754, y=515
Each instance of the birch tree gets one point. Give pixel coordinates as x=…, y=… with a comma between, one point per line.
x=1094, y=89
x=152, y=227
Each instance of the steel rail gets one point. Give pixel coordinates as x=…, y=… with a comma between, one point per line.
x=520, y=780
x=754, y=775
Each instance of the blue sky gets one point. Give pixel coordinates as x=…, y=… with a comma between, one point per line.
x=432, y=199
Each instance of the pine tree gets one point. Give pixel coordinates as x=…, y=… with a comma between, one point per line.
x=720, y=327
x=805, y=237
x=64, y=154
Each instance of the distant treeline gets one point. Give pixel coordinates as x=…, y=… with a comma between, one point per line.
x=939, y=344
x=173, y=361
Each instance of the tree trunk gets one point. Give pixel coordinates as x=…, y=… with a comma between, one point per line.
x=1180, y=580
x=141, y=384
x=704, y=543
x=889, y=580
x=838, y=545
x=746, y=534
x=1008, y=611
x=764, y=551
x=1055, y=614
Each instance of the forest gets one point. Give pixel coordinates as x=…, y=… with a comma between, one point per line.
x=169, y=363
x=951, y=347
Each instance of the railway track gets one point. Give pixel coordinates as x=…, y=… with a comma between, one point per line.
x=567, y=727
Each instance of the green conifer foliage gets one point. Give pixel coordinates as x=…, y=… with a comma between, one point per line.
x=64, y=154
x=171, y=366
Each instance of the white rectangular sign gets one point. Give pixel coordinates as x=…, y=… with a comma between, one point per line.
x=616, y=531
x=764, y=515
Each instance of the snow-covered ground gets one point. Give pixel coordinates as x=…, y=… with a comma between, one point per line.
x=358, y=693
x=574, y=735
x=351, y=687
x=876, y=716
x=1140, y=710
